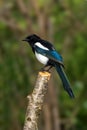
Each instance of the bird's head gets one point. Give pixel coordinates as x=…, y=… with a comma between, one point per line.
x=32, y=39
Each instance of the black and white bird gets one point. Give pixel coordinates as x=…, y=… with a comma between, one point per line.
x=47, y=55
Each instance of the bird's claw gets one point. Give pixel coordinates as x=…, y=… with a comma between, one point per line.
x=44, y=69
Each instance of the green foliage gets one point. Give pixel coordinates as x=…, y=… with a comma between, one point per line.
x=18, y=67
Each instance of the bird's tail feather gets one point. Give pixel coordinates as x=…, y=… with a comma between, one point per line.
x=64, y=79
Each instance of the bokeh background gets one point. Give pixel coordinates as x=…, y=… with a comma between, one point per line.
x=62, y=22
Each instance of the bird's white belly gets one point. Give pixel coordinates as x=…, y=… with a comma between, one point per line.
x=41, y=58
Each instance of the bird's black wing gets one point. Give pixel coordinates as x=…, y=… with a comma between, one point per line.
x=51, y=54
x=47, y=44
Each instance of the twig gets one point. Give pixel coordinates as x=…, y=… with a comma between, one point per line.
x=10, y=23
x=25, y=12
x=47, y=117
x=36, y=100
x=22, y=7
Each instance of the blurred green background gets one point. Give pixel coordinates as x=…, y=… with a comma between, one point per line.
x=62, y=22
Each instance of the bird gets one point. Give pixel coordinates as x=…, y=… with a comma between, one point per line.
x=47, y=55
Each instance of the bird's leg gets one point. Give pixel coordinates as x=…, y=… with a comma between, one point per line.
x=43, y=68
x=49, y=68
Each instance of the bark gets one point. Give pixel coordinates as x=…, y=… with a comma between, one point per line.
x=35, y=101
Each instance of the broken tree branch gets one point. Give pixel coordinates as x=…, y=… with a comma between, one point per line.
x=35, y=101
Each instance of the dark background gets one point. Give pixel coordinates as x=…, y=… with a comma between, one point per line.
x=62, y=22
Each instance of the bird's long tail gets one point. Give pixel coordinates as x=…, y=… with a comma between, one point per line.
x=64, y=79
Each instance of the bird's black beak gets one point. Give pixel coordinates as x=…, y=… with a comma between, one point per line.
x=24, y=40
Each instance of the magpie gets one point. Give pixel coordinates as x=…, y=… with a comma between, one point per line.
x=47, y=55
